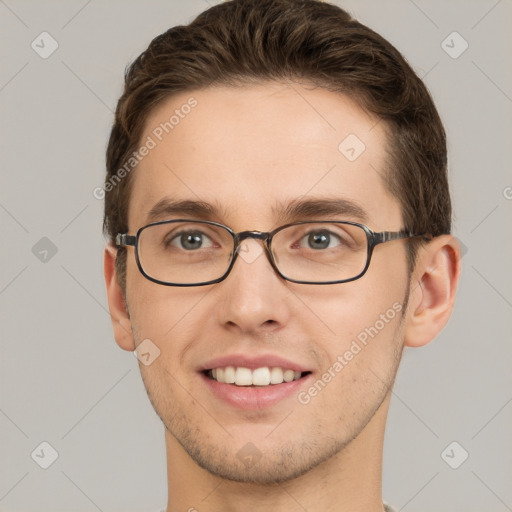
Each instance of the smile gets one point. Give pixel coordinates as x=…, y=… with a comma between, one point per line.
x=263, y=376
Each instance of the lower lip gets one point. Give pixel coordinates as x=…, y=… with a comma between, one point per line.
x=254, y=397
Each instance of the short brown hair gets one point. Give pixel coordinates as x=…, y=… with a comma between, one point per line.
x=241, y=42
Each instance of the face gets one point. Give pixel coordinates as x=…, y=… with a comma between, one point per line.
x=250, y=152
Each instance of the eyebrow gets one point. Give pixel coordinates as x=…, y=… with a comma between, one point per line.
x=168, y=207
x=297, y=209
x=317, y=207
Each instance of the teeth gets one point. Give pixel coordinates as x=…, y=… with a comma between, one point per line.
x=276, y=375
x=229, y=375
x=243, y=377
x=288, y=375
x=264, y=376
x=261, y=377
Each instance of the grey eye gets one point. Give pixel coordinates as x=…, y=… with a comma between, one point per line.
x=190, y=240
x=321, y=240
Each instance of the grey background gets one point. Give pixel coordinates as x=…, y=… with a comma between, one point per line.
x=63, y=379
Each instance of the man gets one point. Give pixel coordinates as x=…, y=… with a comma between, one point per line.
x=278, y=213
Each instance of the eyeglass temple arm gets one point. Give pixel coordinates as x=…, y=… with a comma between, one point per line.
x=123, y=239
x=387, y=236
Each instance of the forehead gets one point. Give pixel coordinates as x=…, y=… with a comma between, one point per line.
x=250, y=151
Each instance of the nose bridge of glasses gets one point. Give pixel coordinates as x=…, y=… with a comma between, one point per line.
x=258, y=235
x=245, y=252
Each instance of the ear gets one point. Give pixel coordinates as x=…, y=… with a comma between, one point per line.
x=432, y=290
x=116, y=303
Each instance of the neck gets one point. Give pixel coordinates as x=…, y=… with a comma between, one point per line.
x=349, y=481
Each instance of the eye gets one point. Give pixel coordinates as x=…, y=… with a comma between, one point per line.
x=321, y=239
x=190, y=240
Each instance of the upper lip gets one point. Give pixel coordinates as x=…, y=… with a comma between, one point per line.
x=252, y=362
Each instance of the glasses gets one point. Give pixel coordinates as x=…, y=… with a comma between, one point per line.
x=197, y=253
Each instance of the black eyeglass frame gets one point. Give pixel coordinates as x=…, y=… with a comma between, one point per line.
x=373, y=239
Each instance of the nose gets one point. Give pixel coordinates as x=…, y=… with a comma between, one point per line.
x=253, y=296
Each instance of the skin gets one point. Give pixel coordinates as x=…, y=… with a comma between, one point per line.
x=250, y=148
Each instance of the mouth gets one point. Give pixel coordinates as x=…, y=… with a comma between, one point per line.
x=264, y=376
x=254, y=381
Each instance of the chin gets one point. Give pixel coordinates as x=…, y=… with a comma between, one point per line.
x=250, y=465
x=262, y=472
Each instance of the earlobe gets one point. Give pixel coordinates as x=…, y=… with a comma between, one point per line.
x=433, y=289
x=116, y=303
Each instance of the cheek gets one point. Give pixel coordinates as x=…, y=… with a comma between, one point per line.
x=167, y=316
x=154, y=308
x=360, y=360
x=362, y=322
x=343, y=311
